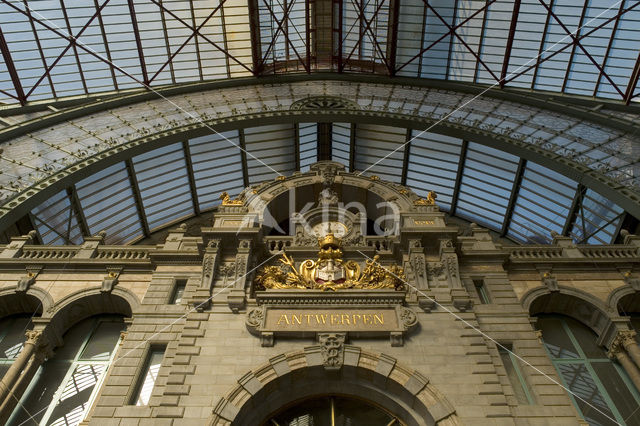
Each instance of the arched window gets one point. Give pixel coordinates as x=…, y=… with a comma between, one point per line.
x=12, y=338
x=333, y=411
x=603, y=389
x=64, y=387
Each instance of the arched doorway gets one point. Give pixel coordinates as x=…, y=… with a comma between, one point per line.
x=332, y=410
x=366, y=384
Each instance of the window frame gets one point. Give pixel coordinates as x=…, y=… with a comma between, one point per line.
x=55, y=400
x=583, y=359
x=507, y=348
x=141, y=373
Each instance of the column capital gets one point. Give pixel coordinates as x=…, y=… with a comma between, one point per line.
x=623, y=339
x=627, y=337
x=33, y=336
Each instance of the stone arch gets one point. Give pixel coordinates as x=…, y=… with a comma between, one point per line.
x=624, y=299
x=85, y=303
x=34, y=301
x=297, y=375
x=579, y=305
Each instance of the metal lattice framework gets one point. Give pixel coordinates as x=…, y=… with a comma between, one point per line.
x=57, y=48
x=134, y=164
x=516, y=140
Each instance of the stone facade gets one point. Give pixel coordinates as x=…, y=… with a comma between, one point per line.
x=443, y=368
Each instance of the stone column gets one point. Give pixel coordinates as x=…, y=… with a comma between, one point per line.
x=617, y=351
x=22, y=382
x=12, y=374
x=628, y=338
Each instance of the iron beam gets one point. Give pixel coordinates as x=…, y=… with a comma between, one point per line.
x=405, y=160
x=137, y=196
x=243, y=157
x=515, y=190
x=576, y=205
x=512, y=32
x=191, y=176
x=136, y=33
x=458, y=182
x=13, y=73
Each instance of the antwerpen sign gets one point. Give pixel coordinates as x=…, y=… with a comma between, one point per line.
x=324, y=320
x=307, y=314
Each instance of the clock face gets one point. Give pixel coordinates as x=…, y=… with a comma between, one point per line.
x=338, y=229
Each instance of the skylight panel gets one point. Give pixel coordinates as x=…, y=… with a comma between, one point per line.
x=434, y=62
x=623, y=54
x=271, y=151
x=341, y=142
x=308, y=137
x=410, y=29
x=164, y=185
x=597, y=220
x=486, y=184
x=466, y=44
x=494, y=40
x=217, y=166
x=108, y=203
x=542, y=206
x=380, y=150
x=56, y=221
x=433, y=165
x=526, y=43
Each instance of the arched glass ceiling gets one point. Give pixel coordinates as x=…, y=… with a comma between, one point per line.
x=53, y=49
x=517, y=198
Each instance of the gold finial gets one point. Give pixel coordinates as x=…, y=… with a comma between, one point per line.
x=281, y=177
x=227, y=201
x=374, y=177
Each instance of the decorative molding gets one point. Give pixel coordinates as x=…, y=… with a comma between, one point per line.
x=332, y=345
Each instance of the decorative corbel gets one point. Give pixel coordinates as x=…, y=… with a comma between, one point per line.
x=634, y=283
x=24, y=283
x=548, y=280
x=113, y=273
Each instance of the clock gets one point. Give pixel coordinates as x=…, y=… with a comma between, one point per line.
x=338, y=229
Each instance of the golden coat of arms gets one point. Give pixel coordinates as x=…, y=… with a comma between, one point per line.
x=330, y=272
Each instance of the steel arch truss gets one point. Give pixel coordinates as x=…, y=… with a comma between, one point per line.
x=388, y=130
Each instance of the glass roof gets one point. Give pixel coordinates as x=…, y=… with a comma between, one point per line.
x=52, y=49
x=519, y=199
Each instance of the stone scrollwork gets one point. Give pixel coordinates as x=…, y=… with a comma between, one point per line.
x=332, y=351
x=408, y=318
x=255, y=318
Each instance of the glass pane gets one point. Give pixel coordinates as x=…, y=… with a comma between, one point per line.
x=150, y=376
x=556, y=339
x=580, y=382
x=103, y=340
x=350, y=412
x=315, y=412
x=623, y=399
x=75, y=395
x=40, y=393
x=12, y=330
x=586, y=339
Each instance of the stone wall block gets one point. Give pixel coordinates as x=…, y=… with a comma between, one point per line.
x=250, y=383
x=313, y=355
x=160, y=412
x=280, y=365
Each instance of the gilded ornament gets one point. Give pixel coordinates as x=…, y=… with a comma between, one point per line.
x=429, y=201
x=330, y=272
x=227, y=201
